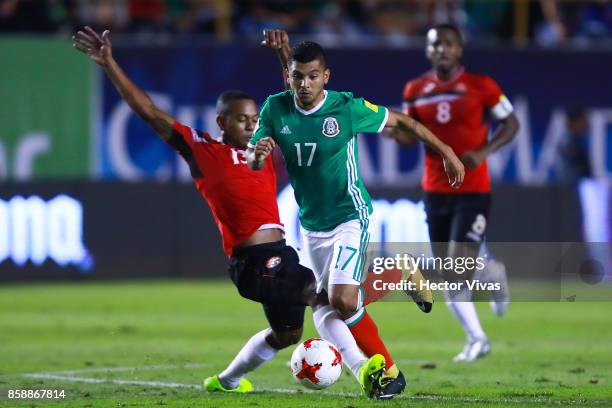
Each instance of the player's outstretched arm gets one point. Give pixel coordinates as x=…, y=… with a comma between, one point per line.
x=278, y=41
x=405, y=139
x=503, y=134
x=99, y=49
x=256, y=156
x=410, y=128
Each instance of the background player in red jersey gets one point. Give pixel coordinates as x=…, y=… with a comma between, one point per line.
x=262, y=267
x=456, y=105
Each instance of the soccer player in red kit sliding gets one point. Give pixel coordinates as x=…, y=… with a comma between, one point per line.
x=456, y=105
x=262, y=266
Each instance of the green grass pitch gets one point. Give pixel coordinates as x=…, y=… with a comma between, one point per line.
x=150, y=344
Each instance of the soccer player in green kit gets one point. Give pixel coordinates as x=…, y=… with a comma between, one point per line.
x=316, y=131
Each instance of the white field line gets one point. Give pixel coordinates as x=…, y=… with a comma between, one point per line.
x=48, y=376
x=69, y=378
x=119, y=369
x=162, y=384
x=65, y=376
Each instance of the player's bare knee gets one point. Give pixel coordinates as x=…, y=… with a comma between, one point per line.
x=294, y=336
x=344, y=303
x=287, y=338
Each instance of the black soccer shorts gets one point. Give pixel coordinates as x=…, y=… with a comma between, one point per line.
x=271, y=274
x=459, y=217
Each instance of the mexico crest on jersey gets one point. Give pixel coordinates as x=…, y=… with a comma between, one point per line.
x=330, y=127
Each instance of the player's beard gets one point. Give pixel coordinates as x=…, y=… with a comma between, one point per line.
x=308, y=99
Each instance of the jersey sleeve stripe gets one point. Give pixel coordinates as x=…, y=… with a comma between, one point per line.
x=384, y=122
x=355, y=192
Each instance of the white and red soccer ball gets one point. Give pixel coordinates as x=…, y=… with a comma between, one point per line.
x=316, y=364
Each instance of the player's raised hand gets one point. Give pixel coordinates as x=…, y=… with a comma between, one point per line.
x=454, y=170
x=275, y=39
x=263, y=148
x=96, y=47
x=278, y=41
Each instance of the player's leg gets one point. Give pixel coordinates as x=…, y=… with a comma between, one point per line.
x=286, y=322
x=438, y=208
x=444, y=226
x=328, y=323
x=366, y=334
x=461, y=305
x=270, y=274
x=346, y=300
x=333, y=329
x=346, y=271
x=467, y=233
x=495, y=272
x=326, y=319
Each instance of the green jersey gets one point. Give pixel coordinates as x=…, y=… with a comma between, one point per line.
x=320, y=151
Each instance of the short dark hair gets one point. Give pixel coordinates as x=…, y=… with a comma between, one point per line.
x=450, y=27
x=227, y=97
x=308, y=51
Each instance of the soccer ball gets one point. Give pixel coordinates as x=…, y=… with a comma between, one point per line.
x=316, y=363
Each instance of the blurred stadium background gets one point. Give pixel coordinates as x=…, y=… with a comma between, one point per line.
x=88, y=192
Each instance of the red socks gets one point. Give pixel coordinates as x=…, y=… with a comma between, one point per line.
x=366, y=335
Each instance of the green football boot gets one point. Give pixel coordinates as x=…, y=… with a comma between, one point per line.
x=369, y=375
x=213, y=384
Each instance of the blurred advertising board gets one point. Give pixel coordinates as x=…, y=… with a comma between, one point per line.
x=83, y=230
x=111, y=230
x=45, y=110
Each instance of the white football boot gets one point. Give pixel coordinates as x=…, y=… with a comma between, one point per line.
x=473, y=349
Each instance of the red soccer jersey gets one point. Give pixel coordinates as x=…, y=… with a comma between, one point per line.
x=241, y=200
x=457, y=112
